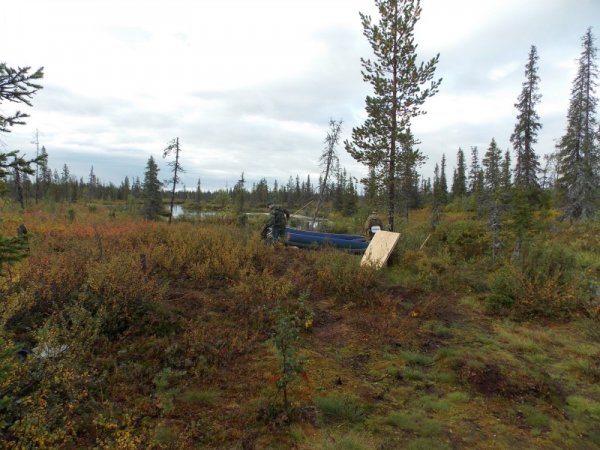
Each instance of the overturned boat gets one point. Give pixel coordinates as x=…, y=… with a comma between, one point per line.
x=352, y=243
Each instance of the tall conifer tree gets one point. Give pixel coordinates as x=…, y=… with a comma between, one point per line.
x=152, y=191
x=492, y=162
x=410, y=158
x=578, y=152
x=506, y=172
x=474, y=169
x=528, y=124
x=398, y=82
x=459, y=181
x=443, y=188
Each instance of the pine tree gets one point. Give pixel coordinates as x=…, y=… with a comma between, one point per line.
x=398, y=83
x=527, y=127
x=16, y=86
x=578, y=151
x=152, y=191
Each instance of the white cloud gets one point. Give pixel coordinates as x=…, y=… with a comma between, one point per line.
x=251, y=86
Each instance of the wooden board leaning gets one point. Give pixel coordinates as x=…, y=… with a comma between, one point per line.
x=380, y=249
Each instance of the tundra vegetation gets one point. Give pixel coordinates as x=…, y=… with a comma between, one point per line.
x=138, y=334
x=126, y=327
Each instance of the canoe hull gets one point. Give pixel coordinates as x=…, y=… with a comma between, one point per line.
x=313, y=239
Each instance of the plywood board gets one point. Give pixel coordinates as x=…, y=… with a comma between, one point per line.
x=380, y=248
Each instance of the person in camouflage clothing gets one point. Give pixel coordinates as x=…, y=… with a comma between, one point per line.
x=277, y=222
x=372, y=225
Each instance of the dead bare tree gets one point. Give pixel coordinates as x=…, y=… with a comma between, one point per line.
x=176, y=169
x=328, y=158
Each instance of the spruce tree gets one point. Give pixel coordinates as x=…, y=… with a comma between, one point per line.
x=443, y=188
x=492, y=180
x=45, y=175
x=506, y=173
x=492, y=175
x=578, y=152
x=436, y=202
x=239, y=195
x=459, y=181
x=409, y=159
x=474, y=170
x=399, y=93
x=528, y=124
x=152, y=191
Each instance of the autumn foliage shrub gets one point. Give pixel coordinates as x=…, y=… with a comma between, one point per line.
x=209, y=256
x=257, y=292
x=464, y=240
x=339, y=275
x=545, y=282
x=119, y=292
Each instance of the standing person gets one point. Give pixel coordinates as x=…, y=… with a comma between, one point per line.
x=373, y=224
x=277, y=222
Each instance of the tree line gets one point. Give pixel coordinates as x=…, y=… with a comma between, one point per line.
x=43, y=183
x=384, y=143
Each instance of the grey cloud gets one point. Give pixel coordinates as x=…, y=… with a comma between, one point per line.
x=57, y=99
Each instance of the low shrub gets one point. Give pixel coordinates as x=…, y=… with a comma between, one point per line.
x=339, y=275
x=545, y=282
x=119, y=291
x=464, y=240
x=200, y=397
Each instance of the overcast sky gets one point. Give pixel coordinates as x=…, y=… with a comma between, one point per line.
x=250, y=85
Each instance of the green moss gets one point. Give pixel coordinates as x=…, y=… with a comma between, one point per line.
x=582, y=405
x=416, y=358
x=535, y=418
x=414, y=422
x=341, y=409
x=200, y=397
x=457, y=397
